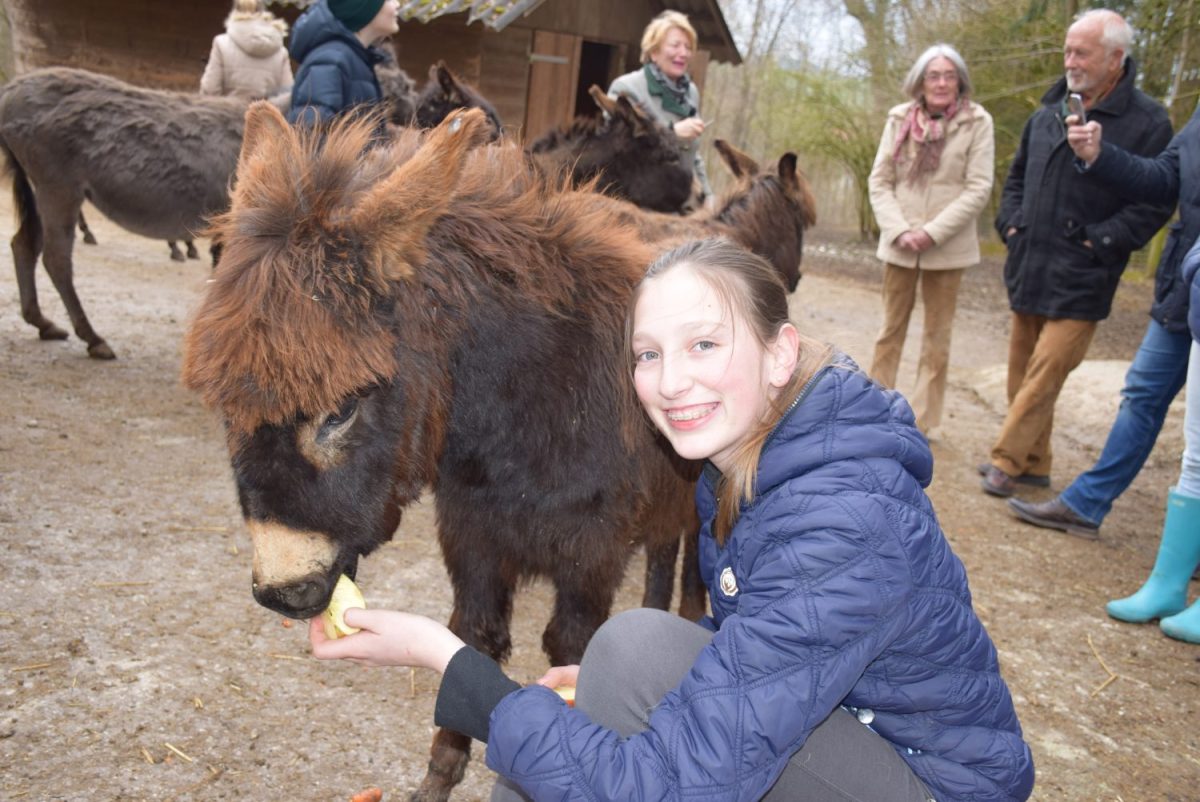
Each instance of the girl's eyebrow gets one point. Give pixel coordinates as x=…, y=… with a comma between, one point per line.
x=707, y=326
x=690, y=329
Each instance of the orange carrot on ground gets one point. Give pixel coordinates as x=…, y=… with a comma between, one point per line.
x=369, y=795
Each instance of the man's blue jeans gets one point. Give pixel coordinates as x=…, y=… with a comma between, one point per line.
x=1155, y=376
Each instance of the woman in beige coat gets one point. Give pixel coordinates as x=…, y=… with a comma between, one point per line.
x=931, y=179
x=249, y=59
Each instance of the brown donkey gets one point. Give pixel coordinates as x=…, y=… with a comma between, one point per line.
x=431, y=314
x=765, y=211
x=628, y=154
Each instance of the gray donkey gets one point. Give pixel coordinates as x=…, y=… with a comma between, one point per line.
x=156, y=163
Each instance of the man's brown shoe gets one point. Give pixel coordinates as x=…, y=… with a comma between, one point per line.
x=1054, y=514
x=998, y=483
x=1023, y=479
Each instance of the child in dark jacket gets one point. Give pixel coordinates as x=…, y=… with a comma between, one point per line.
x=842, y=659
x=334, y=43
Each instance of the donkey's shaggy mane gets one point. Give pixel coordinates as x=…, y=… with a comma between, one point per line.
x=294, y=319
x=318, y=286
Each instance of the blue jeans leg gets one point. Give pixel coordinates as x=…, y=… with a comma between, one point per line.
x=1155, y=376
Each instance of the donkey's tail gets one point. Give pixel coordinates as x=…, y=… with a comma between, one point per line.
x=24, y=203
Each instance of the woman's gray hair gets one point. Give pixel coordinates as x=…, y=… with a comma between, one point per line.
x=914, y=82
x=1116, y=33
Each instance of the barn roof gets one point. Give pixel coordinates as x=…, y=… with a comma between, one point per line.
x=705, y=16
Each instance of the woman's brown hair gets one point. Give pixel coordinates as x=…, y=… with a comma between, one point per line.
x=748, y=285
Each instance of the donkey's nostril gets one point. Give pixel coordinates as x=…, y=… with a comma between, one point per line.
x=300, y=599
x=304, y=595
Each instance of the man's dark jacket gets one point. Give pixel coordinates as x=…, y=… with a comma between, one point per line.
x=336, y=71
x=1050, y=271
x=1173, y=175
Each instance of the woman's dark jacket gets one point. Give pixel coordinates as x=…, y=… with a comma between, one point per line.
x=1172, y=175
x=835, y=587
x=1055, y=208
x=336, y=71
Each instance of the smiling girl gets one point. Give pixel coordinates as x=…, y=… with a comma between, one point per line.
x=842, y=659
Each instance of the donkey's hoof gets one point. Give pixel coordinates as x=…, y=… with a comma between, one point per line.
x=89, y=238
x=100, y=350
x=176, y=256
x=429, y=795
x=52, y=332
x=192, y=253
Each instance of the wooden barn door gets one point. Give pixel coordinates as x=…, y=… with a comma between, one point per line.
x=553, y=75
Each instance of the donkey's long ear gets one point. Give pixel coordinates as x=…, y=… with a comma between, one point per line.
x=449, y=84
x=741, y=165
x=787, y=171
x=264, y=124
x=606, y=103
x=395, y=215
x=637, y=119
x=796, y=185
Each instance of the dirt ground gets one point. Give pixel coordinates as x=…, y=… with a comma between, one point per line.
x=134, y=664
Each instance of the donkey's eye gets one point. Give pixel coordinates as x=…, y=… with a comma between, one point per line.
x=344, y=414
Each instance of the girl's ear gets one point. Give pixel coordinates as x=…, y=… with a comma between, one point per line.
x=783, y=354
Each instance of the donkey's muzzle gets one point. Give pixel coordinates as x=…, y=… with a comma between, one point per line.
x=296, y=600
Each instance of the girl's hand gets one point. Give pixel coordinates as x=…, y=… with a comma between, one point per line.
x=560, y=677
x=689, y=129
x=1084, y=140
x=387, y=638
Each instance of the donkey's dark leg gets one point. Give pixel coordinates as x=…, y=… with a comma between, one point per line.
x=88, y=237
x=671, y=517
x=60, y=216
x=693, y=594
x=660, y=573
x=448, y=758
x=483, y=599
x=584, y=593
x=26, y=248
x=192, y=253
x=176, y=254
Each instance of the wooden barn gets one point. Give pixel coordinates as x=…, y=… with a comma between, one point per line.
x=534, y=59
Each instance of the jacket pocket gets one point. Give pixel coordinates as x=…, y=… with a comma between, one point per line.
x=1076, y=236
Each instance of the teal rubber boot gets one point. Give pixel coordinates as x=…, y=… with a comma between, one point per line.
x=1165, y=592
x=1183, y=626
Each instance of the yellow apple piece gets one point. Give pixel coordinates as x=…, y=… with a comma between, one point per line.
x=345, y=595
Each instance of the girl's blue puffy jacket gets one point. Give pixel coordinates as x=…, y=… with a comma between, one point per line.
x=836, y=587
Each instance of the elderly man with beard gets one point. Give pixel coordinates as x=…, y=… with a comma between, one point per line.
x=1069, y=237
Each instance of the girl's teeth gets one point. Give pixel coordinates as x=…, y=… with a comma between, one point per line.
x=690, y=414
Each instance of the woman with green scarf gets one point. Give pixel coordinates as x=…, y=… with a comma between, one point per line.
x=663, y=90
